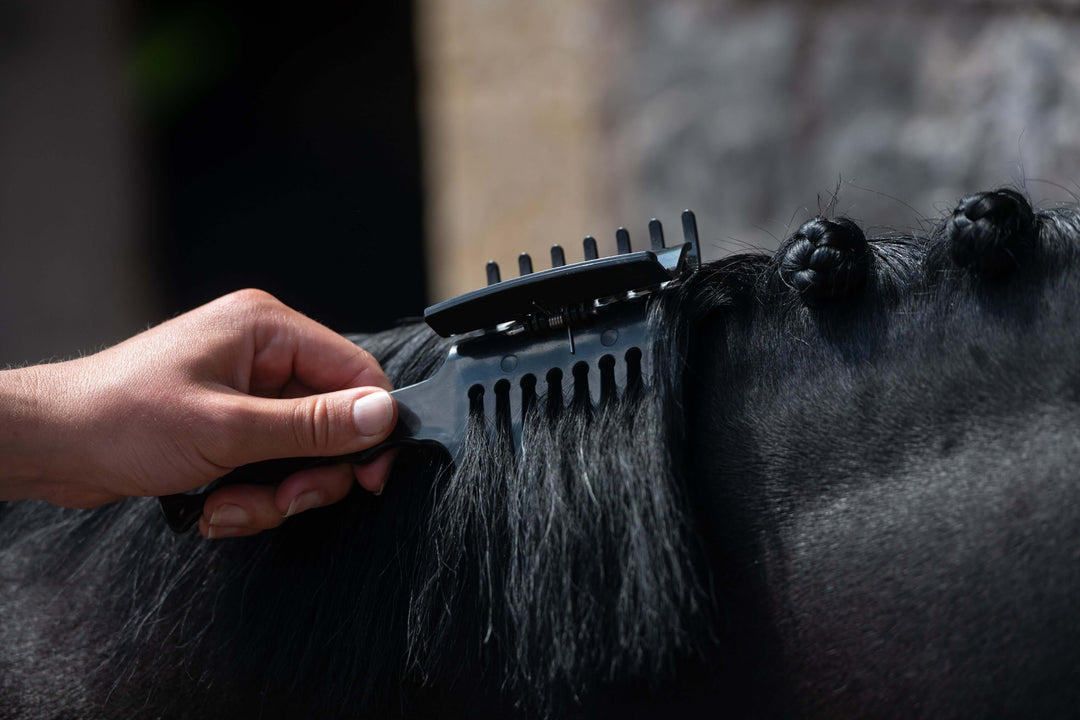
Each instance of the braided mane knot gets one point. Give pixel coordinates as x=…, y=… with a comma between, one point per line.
x=826, y=259
x=988, y=232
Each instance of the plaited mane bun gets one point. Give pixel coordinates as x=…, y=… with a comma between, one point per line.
x=825, y=260
x=989, y=232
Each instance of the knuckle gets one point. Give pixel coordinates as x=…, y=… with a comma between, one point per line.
x=254, y=296
x=313, y=424
x=248, y=300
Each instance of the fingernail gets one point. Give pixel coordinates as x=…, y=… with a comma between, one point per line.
x=305, y=501
x=232, y=515
x=373, y=413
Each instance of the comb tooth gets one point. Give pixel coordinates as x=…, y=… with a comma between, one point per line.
x=554, y=391
x=622, y=240
x=591, y=253
x=558, y=257
x=528, y=395
x=607, y=380
x=493, y=272
x=618, y=374
x=656, y=235
x=514, y=414
x=476, y=399
x=646, y=365
x=689, y=231
x=522, y=404
x=504, y=416
x=581, y=383
x=524, y=264
x=634, y=371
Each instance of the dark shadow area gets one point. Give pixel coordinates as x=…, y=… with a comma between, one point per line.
x=284, y=154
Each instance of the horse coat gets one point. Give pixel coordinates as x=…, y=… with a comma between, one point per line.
x=851, y=491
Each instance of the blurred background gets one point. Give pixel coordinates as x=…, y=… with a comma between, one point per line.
x=361, y=160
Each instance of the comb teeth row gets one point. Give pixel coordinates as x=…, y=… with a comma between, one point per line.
x=513, y=400
x=622, y=244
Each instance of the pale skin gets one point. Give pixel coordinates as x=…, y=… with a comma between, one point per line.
x=241, y=379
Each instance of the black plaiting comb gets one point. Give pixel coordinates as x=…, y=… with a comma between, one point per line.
x=550, y=329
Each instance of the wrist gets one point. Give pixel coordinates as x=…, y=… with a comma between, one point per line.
x=30, y=438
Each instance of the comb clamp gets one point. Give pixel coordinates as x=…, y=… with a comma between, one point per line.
x=532, y=298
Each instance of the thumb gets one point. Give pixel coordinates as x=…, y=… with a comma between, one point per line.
x=334, y=423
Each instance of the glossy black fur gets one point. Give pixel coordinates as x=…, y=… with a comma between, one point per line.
x=860, y=507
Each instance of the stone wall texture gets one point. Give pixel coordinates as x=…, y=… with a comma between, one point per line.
x=547, y=121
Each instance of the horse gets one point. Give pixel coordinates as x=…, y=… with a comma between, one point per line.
x=848, y=488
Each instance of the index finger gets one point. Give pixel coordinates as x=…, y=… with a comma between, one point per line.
x=297, y=349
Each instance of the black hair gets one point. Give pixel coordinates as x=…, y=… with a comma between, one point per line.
x=526, y=582
x=523, y=579
x=825, y=259
x=990, y=233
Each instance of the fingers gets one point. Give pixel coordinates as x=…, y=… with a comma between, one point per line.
x=325, y=425
x=312, y=488
x=289, y=349
x=241, y=510
x=326, y=361
x=298, y=389
x=372, y=477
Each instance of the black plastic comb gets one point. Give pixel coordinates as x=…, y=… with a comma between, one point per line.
x=518, y=339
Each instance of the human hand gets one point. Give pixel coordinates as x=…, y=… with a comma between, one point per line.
x=241, y=379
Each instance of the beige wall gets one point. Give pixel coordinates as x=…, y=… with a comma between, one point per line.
x=514, y=143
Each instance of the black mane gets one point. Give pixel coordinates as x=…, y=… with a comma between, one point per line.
x=690, y=545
